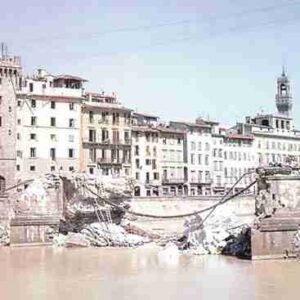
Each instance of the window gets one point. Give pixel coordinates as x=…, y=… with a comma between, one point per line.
x=52, y=168
x=18, y=136
x=137, y=176
x=71, y=106
x=19, y=121
x=136, y=152
x=32, y=152
x=206, y=159
x=0, y=81
x=148, y=162
x=32, y=168
x=91, y=117
x=192, y=159
x=71, y=123
x=71, y=153
x=199, y=159
x=137, y=163
x=156, y=176
x=32, y=136
x=53, y=137
x=92, y=135
x=0, y=121
x=52, y=104
x=52, y=153
x=0, y=99
x=33, y=121
x=18, y=167
x=71, y=168
x=30, y=87
x=193, y=146
x=52, y=121
x=33, y=103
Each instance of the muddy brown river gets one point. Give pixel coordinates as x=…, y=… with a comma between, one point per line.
x=143, y=273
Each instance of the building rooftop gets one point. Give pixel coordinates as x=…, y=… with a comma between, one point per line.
x=146, y=115
x=69, y=77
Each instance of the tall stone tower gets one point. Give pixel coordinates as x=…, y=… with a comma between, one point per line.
x=283, y=96
x=10, y=74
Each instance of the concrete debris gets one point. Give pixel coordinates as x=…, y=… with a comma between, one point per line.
x=59, y=240
x=76, y=240
x=239, y=245
x=221, y=233
x=4, y=235
x=109, y=234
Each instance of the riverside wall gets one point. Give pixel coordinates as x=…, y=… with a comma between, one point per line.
x=242, y=207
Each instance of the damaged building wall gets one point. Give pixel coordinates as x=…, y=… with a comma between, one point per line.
x=36, y=211
x=278, y=212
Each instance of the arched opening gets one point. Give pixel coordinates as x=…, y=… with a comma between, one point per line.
x=2, y=184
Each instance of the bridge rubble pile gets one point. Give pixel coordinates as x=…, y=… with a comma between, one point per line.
x=4, y=235
x=222, y=233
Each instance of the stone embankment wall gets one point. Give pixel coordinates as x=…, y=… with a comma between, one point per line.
x=242, y=207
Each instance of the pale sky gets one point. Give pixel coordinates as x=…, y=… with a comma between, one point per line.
x=176, y=59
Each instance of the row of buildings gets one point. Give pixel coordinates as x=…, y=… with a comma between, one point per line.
x=49, y=123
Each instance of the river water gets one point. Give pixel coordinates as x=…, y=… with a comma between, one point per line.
x=142, y=273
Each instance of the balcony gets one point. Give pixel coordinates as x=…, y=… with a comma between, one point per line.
x=109, y=161
x=107, y=142
x=173, y=180
x=200, y=181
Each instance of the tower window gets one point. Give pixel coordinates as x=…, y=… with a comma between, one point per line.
x=30, y=87
x=33, y=103
x=33, y=121
x=52, y=121
x=52, y=104
x=71, y=153
x=71, y=123
x=32, y=152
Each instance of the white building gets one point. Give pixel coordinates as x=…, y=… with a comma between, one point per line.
x=48, y=124
x=198, y=147
x=275, y=139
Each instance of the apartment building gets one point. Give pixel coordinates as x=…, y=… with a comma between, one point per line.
x=198, y=150
x=145, y=155
x=48, y=124
x=106, y=136
x=239, y=158
x=173, y=168
x=10, y=74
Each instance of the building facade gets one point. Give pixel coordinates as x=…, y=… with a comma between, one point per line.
x=48, y=124
x=106, y=136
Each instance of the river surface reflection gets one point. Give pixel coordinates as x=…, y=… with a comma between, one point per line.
x=93, y=273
